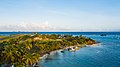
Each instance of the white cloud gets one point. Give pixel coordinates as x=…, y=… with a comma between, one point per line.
x=26, y=27
x=32, y=27
x=45, y=26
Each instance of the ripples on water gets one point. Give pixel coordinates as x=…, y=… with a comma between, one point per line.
x=105, y=55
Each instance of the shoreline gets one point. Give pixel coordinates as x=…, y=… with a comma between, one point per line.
x=44, y=56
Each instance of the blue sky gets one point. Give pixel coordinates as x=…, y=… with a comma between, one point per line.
x=60, y=15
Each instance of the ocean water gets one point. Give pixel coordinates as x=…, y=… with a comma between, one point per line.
x=106, y=54
x=71, y=33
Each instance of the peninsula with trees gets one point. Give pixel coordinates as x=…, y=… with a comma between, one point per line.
x=24, y=50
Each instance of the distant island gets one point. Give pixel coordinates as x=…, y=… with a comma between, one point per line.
x=23, y=50
x=103, y=35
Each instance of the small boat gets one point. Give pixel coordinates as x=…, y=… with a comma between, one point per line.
x=103, y=35
x=62, y=51
x=72, y=50
x=69, y=49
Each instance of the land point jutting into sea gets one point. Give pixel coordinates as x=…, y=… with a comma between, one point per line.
x=59, y=33
x=25, y=50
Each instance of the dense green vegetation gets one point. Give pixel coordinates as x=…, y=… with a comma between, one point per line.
x=24, y=49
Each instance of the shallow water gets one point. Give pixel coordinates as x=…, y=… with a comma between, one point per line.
x=105, y=55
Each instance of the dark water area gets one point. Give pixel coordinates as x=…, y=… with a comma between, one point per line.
x=107, y=54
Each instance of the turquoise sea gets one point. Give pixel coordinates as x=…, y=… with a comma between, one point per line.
x=107, y=54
